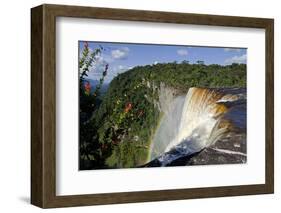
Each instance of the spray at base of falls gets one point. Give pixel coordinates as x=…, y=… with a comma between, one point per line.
x=193, y=122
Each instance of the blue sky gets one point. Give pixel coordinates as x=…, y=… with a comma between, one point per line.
x=124, y=56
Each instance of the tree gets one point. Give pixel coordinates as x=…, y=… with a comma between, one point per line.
x=200, y=62
x=185, y=62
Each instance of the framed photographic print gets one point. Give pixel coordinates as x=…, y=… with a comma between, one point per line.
x=136, y=106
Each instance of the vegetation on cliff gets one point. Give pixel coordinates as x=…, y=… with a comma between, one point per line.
x=116, y=128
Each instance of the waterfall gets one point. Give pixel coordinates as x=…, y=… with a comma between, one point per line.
x=199, y=116
x=168, y=128
x=191, y=123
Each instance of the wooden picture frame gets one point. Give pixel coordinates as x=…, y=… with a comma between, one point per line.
x=43, y=105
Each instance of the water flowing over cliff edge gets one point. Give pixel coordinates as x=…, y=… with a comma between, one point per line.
x=203, y=126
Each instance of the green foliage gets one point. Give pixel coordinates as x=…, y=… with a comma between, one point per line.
x=119, y=132
x=89, y=148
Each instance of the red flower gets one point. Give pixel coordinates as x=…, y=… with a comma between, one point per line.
x=87, y=87
x=128, y=107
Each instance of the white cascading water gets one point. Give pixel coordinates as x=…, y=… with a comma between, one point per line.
x=168, y=128
x=199, y=116
x=191, y=124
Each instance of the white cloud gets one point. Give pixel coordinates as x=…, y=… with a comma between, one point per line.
x=236, y=59
x=118, y=69
x=232, y=50
x=121, y=53
x=155, y=62
x=121, y=67
x=182, y=52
